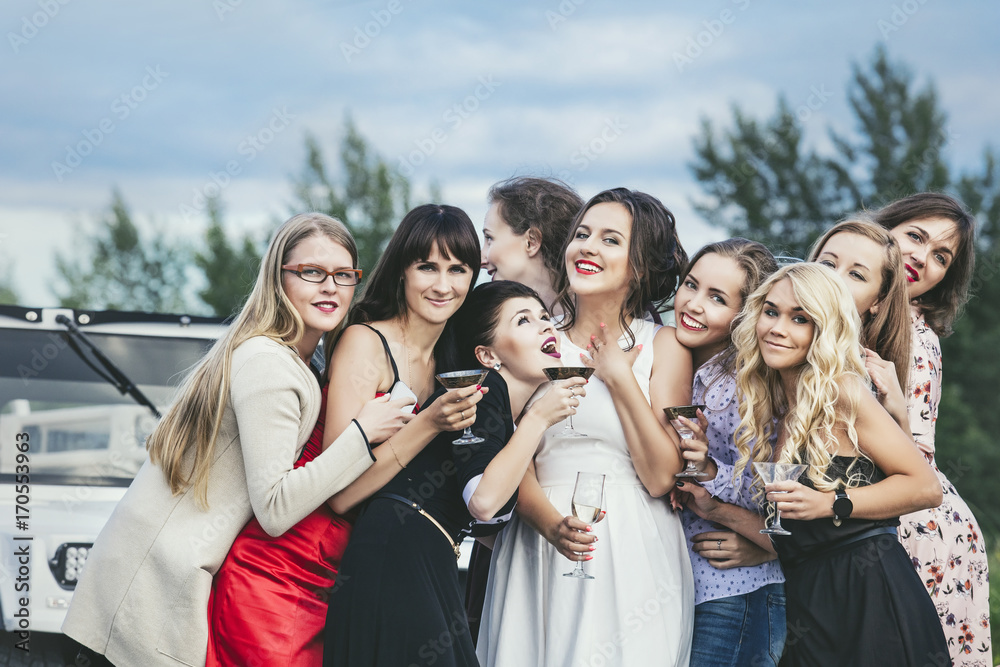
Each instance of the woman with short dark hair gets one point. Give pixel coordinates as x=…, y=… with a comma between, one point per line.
x=398, y=600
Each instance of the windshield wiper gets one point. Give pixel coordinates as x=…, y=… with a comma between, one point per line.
x=114, y=376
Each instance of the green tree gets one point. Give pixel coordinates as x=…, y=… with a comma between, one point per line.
x=371, y=199
x=123, y=270
x=8, y=295
x=970, y=408
x=902, y=133
x=762, y=183
x=230, y=269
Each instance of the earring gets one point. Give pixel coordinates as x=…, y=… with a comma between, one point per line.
x=496, y=366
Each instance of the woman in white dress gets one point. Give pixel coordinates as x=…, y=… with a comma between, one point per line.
x=622, y=253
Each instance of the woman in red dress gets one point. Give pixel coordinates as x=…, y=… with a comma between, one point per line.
x=269, y=598
x=272, y=592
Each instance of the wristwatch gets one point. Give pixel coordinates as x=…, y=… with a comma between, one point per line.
x=842, y=507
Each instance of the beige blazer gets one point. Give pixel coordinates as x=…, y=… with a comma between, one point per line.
x=143, y=596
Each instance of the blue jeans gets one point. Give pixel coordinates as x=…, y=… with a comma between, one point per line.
x=740, y=631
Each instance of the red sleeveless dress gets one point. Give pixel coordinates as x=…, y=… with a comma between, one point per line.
x=269, y=598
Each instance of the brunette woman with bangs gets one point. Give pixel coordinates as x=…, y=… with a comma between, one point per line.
x=622, y=254
x=936, y=236
x=392, y=581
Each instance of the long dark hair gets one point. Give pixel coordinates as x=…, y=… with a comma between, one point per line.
x=545, y=204
x=476, y=321
x=943, y=303
x=447, y=227
x=655, y=256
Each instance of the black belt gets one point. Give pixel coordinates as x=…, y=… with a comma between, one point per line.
x=456, y=546
x=847, y=541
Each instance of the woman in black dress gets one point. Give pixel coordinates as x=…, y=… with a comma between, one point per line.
x=852, y=596
x=397, y=600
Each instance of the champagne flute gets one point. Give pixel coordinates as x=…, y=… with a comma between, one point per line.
x=564, y=373
x=778, y=472
x=689, y=412
x=588, y=499
x=457, y=380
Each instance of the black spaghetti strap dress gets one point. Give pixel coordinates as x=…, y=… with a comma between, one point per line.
x=852, y=595
x=397, y=601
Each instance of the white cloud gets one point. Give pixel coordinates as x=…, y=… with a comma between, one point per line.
x=558, y=89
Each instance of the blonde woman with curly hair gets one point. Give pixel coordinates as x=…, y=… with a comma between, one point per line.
x=852, y=596
x=225, y=453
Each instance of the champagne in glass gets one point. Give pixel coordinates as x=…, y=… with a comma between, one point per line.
x=688, y=412
x=564, y=373
x=778, y=472
x=588, y=499
x=457, y=380
x=587, y=513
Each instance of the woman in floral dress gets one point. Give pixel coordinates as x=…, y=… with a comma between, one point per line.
x=945, y=544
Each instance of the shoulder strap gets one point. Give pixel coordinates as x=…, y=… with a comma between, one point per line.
x=388, y=354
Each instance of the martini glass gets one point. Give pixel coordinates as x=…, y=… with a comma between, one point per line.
x=564, y=373
x=778, y=472
x=588, y=498
x=457, y=380
x=689, y=412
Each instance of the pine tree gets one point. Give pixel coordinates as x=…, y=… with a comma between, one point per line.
x=902, y=134
x=230, y=269
x=371, y=199
x=763, y=184
x=970, y=407
x=123, y=270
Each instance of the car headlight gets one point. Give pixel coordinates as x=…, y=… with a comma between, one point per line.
x=67, y=564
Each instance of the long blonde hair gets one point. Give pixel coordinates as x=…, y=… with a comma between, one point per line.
x=888, y=330
x=192, y=423
x=833, y=357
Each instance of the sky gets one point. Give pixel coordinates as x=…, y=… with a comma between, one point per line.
x=165, y=100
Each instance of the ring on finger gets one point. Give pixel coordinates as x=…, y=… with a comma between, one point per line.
x=718, y=545
x=463, y=415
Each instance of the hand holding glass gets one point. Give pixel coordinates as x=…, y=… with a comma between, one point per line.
x=688, y=412
x=778, y=472
x=457, y=380
x=564, y=373
x=588, y=499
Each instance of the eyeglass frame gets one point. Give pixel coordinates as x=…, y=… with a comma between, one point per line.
x=297, y=270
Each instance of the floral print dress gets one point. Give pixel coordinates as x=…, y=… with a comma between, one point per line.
x=944, y=543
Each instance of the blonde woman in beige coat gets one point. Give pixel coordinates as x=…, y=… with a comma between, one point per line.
x=224, y=453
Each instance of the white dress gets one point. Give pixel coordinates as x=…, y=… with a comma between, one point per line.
x=639, y=608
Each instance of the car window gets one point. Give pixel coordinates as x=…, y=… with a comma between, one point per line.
x=80, y=428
